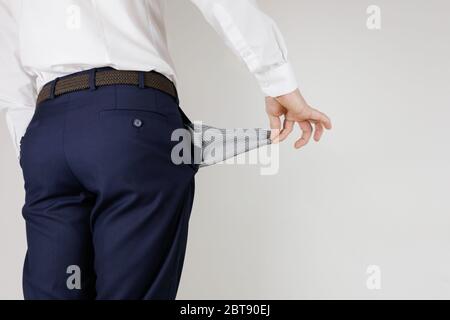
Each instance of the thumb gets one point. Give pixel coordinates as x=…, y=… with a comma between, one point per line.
x=275, y=126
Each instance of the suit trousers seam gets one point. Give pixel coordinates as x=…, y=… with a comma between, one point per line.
x=66, y=159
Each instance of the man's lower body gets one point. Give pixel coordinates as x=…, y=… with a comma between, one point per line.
x=106, y=209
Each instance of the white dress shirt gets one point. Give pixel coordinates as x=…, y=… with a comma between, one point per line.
x=44, y=39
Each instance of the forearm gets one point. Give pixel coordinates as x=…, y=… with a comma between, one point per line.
x=17, y=90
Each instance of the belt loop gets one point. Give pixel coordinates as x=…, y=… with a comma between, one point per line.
x=177, y=99
x=52, y=88
x=141, y=79
x=92, y=73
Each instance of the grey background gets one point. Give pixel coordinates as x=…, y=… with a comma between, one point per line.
x=373, y=192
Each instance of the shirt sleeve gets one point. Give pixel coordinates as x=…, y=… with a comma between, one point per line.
x=254, y=37
x=17, y=89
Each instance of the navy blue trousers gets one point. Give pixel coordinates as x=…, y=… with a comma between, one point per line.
x=106, y=210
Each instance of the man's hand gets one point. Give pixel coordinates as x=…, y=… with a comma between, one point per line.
x=295, y=110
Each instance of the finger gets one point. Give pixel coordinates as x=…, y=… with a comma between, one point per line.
x=306, y=128
x=318, y=130
x=275, y=126
x=316, y=115
x=288, y=126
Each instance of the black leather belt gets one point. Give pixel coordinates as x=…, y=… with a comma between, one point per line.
x=106, y=77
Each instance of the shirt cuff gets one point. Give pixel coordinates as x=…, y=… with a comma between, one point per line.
x=278, y=81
